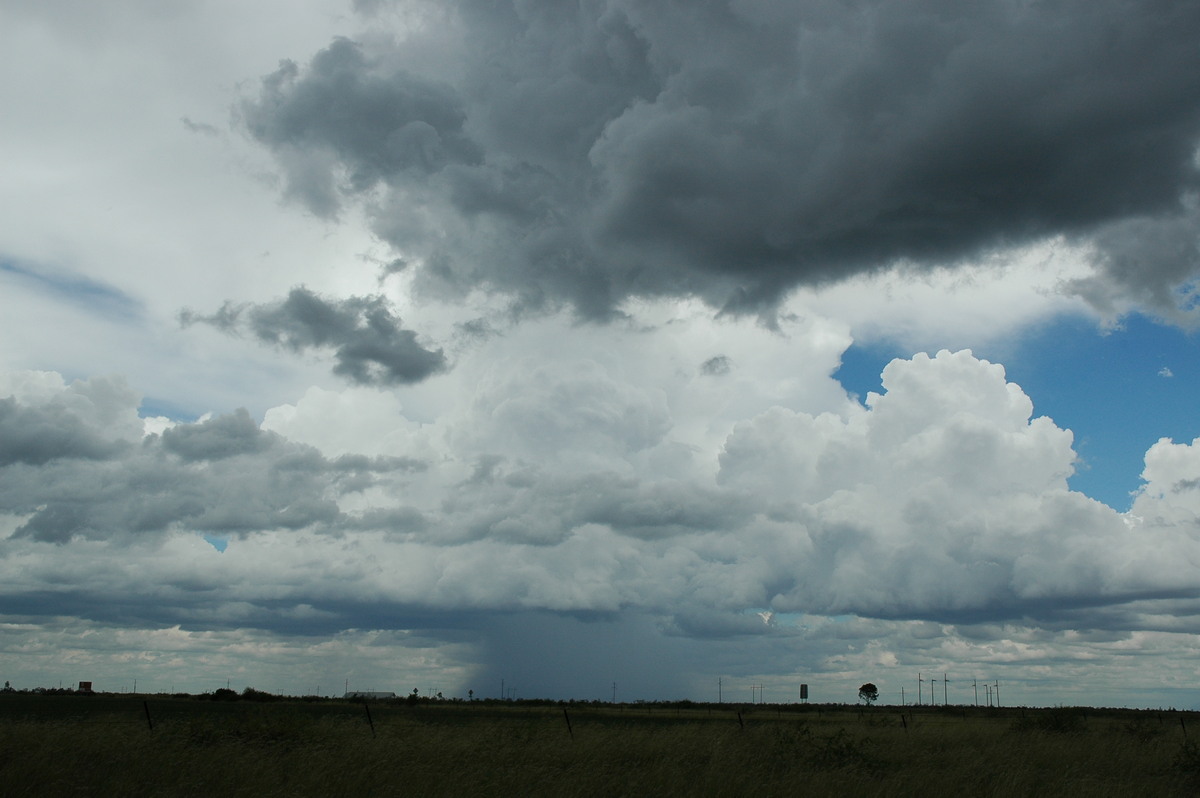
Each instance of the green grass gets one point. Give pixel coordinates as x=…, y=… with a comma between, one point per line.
x=102, y=745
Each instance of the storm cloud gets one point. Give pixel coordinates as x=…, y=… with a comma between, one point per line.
x=391, y=446
x=591, y=152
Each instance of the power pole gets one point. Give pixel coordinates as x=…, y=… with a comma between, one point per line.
x=719, y=699
x=975, y=682
x=945, y=690
x=920, y=688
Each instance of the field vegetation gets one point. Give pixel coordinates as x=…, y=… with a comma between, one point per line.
x=262, y=745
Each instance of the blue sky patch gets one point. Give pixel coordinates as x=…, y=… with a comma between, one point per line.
x=1118, y=391
x=220, y=544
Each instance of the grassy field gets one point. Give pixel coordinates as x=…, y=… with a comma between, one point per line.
x=163, y=746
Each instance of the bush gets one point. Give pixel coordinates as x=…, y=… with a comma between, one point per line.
x=250, y=694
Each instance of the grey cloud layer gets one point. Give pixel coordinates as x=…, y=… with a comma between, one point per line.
x=223, y=475
x=941, y=499
x=592, y=151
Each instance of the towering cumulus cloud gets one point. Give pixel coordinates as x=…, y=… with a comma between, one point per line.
x=941, y=499
x=587, y=152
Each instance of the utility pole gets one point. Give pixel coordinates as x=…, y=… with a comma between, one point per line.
x=614, y=692
x=945, y=690
x=997, y=692
x=920, y=688
x=901, y=695
x=975, y=682
x=719, y=699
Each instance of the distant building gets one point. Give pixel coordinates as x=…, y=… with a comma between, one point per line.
x=85, y=687
x=366, y=694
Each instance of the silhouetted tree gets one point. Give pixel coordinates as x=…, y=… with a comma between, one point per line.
x=868, y=693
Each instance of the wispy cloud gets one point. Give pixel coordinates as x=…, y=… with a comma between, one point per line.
x=87, y=294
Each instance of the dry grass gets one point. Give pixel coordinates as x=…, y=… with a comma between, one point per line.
x=102, y=746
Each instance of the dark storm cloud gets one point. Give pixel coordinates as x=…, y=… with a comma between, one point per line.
x=1150, y=260
x=377, y=126
x=588, y=152
x=369, y=345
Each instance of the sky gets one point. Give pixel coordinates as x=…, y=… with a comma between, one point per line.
x=611, y=347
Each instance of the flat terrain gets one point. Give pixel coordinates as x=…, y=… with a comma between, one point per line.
x=125, y=745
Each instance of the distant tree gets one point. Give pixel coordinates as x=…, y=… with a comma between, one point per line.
x=250, y=694
x=470, y=695
x=868, y=693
